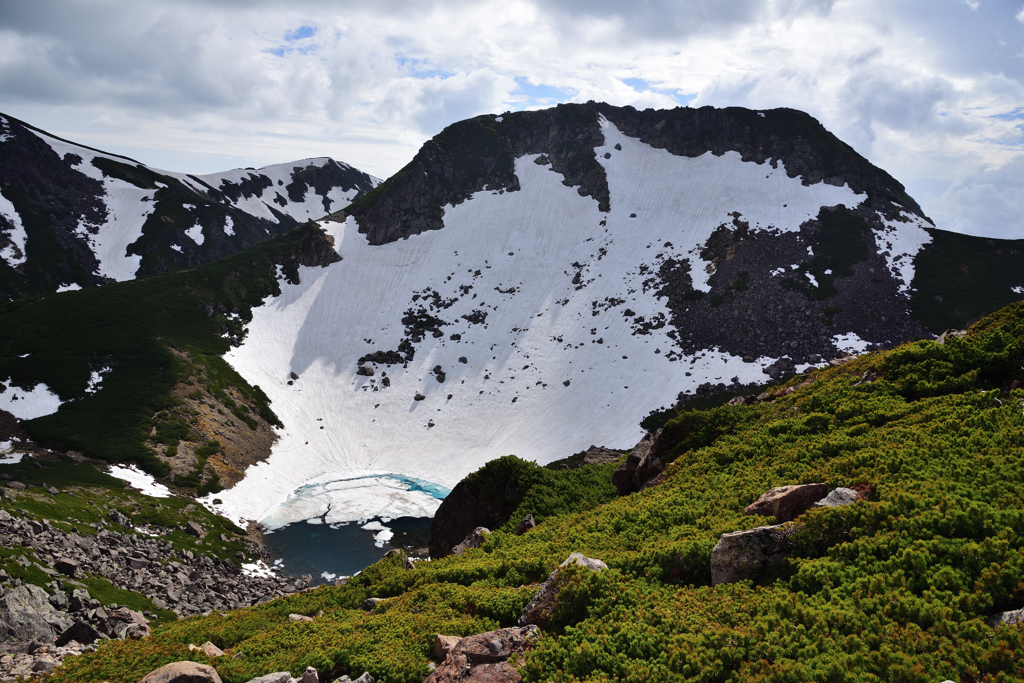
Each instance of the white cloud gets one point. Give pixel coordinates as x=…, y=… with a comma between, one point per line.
x=1020, y=15
x=926, y=90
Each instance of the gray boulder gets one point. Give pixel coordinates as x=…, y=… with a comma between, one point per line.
x=278, y=677
x=80, y=632
x=837, y=498
x=747, y=555
x=475, y=539
x=183, y=672
x=1012, y=617
x=365, y=678
x=26, y=614
x=786, y=503
x=539, y=609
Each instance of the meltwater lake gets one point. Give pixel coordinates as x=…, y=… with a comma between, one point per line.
x=329, y=551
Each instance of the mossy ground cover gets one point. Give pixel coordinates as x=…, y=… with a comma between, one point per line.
x=144, y=337
x=895, y=588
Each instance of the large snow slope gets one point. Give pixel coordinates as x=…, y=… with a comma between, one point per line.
x=554, y=367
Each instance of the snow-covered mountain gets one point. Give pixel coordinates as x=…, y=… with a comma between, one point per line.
x=535, y=283
x=72, y=216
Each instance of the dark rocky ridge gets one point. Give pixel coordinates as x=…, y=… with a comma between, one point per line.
x=56, y=201
x=479, y=154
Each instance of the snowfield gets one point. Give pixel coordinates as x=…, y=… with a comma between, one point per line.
x=539, y=366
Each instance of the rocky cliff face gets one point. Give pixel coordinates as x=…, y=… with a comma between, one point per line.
x=72, y=216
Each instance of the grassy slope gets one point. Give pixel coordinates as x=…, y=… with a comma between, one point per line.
x=131, y=327
x=895, y=589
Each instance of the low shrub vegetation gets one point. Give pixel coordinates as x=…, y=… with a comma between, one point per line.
x=897, y=587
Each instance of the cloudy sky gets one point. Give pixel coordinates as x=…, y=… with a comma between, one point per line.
x=930, y=90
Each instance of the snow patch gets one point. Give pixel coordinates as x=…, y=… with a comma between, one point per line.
x=900, y=242
x=73, y=287
x=96, y=380
x=176, y=248
x=13, y=253
x=258, y=569
x=139, y=480
x=195, y=233
x=5, y=130
x=1018, y=290
x=850, y=343
x=28, y=404
x=7, y=454
x=813, y=280
x=229, y=226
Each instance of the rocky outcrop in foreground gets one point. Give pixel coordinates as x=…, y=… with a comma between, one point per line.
x=132, y=559
x=486, y=658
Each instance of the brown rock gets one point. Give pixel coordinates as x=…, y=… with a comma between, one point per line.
x=443, y=645
x=183, y=672
x=641, y=466
x=786, y=503
x=485, y=658
x=193, y=529
x=67, y=567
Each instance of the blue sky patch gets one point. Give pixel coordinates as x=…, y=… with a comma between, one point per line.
x=299, y=33
x=542, y=94
x=640, y=85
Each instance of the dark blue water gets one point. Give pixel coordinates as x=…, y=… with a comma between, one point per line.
x=319, y=549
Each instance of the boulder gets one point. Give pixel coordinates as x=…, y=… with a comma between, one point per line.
x=278, y=677
x=747, y=555
x=193, y=529
x=118, y=518
x=183, y=672
x=485, y=657
x=597, y=455
x=26, y=614
x=80, y=632
x=127, y=623
x=443, y=645
x=838, y=498
x=365, y=371
x=1012, y=617
x=525, y=524
x=370, y=604
x=208, y=649
x=786, y=503
x=539, y=609
x=365, y=678
x=67, y=566
x=310, y=675
x=475, y=539
x=641, y=466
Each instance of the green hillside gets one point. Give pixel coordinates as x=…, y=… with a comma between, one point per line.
x=896, y=588
x=145, y=337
